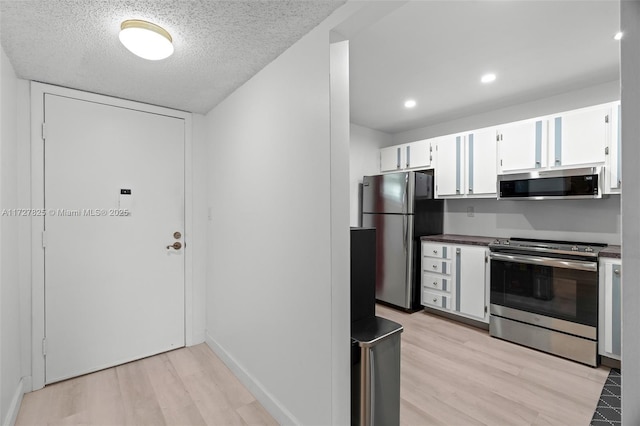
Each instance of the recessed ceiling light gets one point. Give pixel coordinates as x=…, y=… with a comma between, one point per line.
x=488, y=78
x=147, y=40
x=409, y=103
x=618, y=36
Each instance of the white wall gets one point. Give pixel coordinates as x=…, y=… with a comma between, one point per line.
x=270, y=308
x=630, y=60
x=364, y=160
x=596, y=221
x=10, y=331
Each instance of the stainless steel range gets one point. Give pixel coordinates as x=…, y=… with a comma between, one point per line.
x=544, y=294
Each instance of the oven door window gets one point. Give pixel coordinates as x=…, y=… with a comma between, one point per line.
x=566, y=294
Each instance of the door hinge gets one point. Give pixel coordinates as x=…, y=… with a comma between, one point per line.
x=606, y=150
x=44, y=239
x=44, y=346
x=486, y=258
x=606, y=118
x=485, y=310
x=44, y=131
x=500, y=162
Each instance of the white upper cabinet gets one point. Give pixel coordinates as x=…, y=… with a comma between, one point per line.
x=613, y=175
x=522, y=145
x=481, y=162
x=579, y=138
x=418, y=154
x=449, y=172
x=466, y=165
x=391, y=158
x=414, y=155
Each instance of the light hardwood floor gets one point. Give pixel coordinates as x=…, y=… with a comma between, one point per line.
x=453, y=374
x=188, y=386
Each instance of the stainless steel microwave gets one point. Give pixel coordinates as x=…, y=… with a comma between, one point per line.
x=583, y=183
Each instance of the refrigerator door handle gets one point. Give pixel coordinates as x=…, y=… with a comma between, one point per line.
x=405, y=228
x=404, y=193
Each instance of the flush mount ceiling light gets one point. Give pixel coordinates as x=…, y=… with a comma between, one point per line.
x=488, y=78
x=618, y=36
x=147, y=40
x=410, y=103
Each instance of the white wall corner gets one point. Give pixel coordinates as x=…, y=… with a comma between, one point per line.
x=277, y=410
x=340, y=238
x=16, y=401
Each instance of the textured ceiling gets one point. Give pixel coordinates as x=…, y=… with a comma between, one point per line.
x=436, y=51
x=219, y=45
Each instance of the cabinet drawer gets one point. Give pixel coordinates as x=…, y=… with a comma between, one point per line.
x=436, y=250
x=436, y=265
x=436, y=282
x=434, y=299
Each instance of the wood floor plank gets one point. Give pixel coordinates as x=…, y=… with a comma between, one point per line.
x=254, y=414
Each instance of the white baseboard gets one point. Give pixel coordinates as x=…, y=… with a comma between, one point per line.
x=14, y=407
x=268, y=401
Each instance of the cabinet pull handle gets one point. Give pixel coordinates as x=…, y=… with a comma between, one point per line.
x=435, y=252
x=435, y=266
x=616, y=271
x=435, y=300
x=435, y=284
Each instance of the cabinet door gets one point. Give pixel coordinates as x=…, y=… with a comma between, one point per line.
x=579, y=137
x=470, y=281
x=481, y=162
x=613, y=170
x=418, y=154
x=391, y=159
x=449, y=179
x=610, y=309
x=522, y=145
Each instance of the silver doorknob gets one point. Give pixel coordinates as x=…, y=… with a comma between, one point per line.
x=176, y=246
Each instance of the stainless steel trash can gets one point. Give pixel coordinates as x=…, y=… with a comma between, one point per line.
x=375, y=372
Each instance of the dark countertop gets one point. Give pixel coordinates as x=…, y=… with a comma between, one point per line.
x=613, y=252
x=459, y=239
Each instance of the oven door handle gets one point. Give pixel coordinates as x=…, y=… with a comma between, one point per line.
x=546, y=261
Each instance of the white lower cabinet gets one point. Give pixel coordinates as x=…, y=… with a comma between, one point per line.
x=610, y=319
x=455, y=279
x=471, y=280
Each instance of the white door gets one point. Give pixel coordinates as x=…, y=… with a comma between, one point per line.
x=418, y=154
x=522, y=145
x=470, y=280
x=390, y=159
x=449, y=179
x=114, y=291
x=481, y=159
x=580, y=137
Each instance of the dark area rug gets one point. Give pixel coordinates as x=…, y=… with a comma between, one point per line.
x=609, y=409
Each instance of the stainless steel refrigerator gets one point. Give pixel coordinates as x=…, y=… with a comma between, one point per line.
x=402, y=208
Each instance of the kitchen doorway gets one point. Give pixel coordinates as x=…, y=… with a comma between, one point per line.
x=113, y=240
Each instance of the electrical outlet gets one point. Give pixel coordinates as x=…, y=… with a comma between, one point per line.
x=470, y=211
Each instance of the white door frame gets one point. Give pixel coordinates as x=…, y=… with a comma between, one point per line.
x=38, y=91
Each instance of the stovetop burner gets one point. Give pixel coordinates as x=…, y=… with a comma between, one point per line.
x=548, y=246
